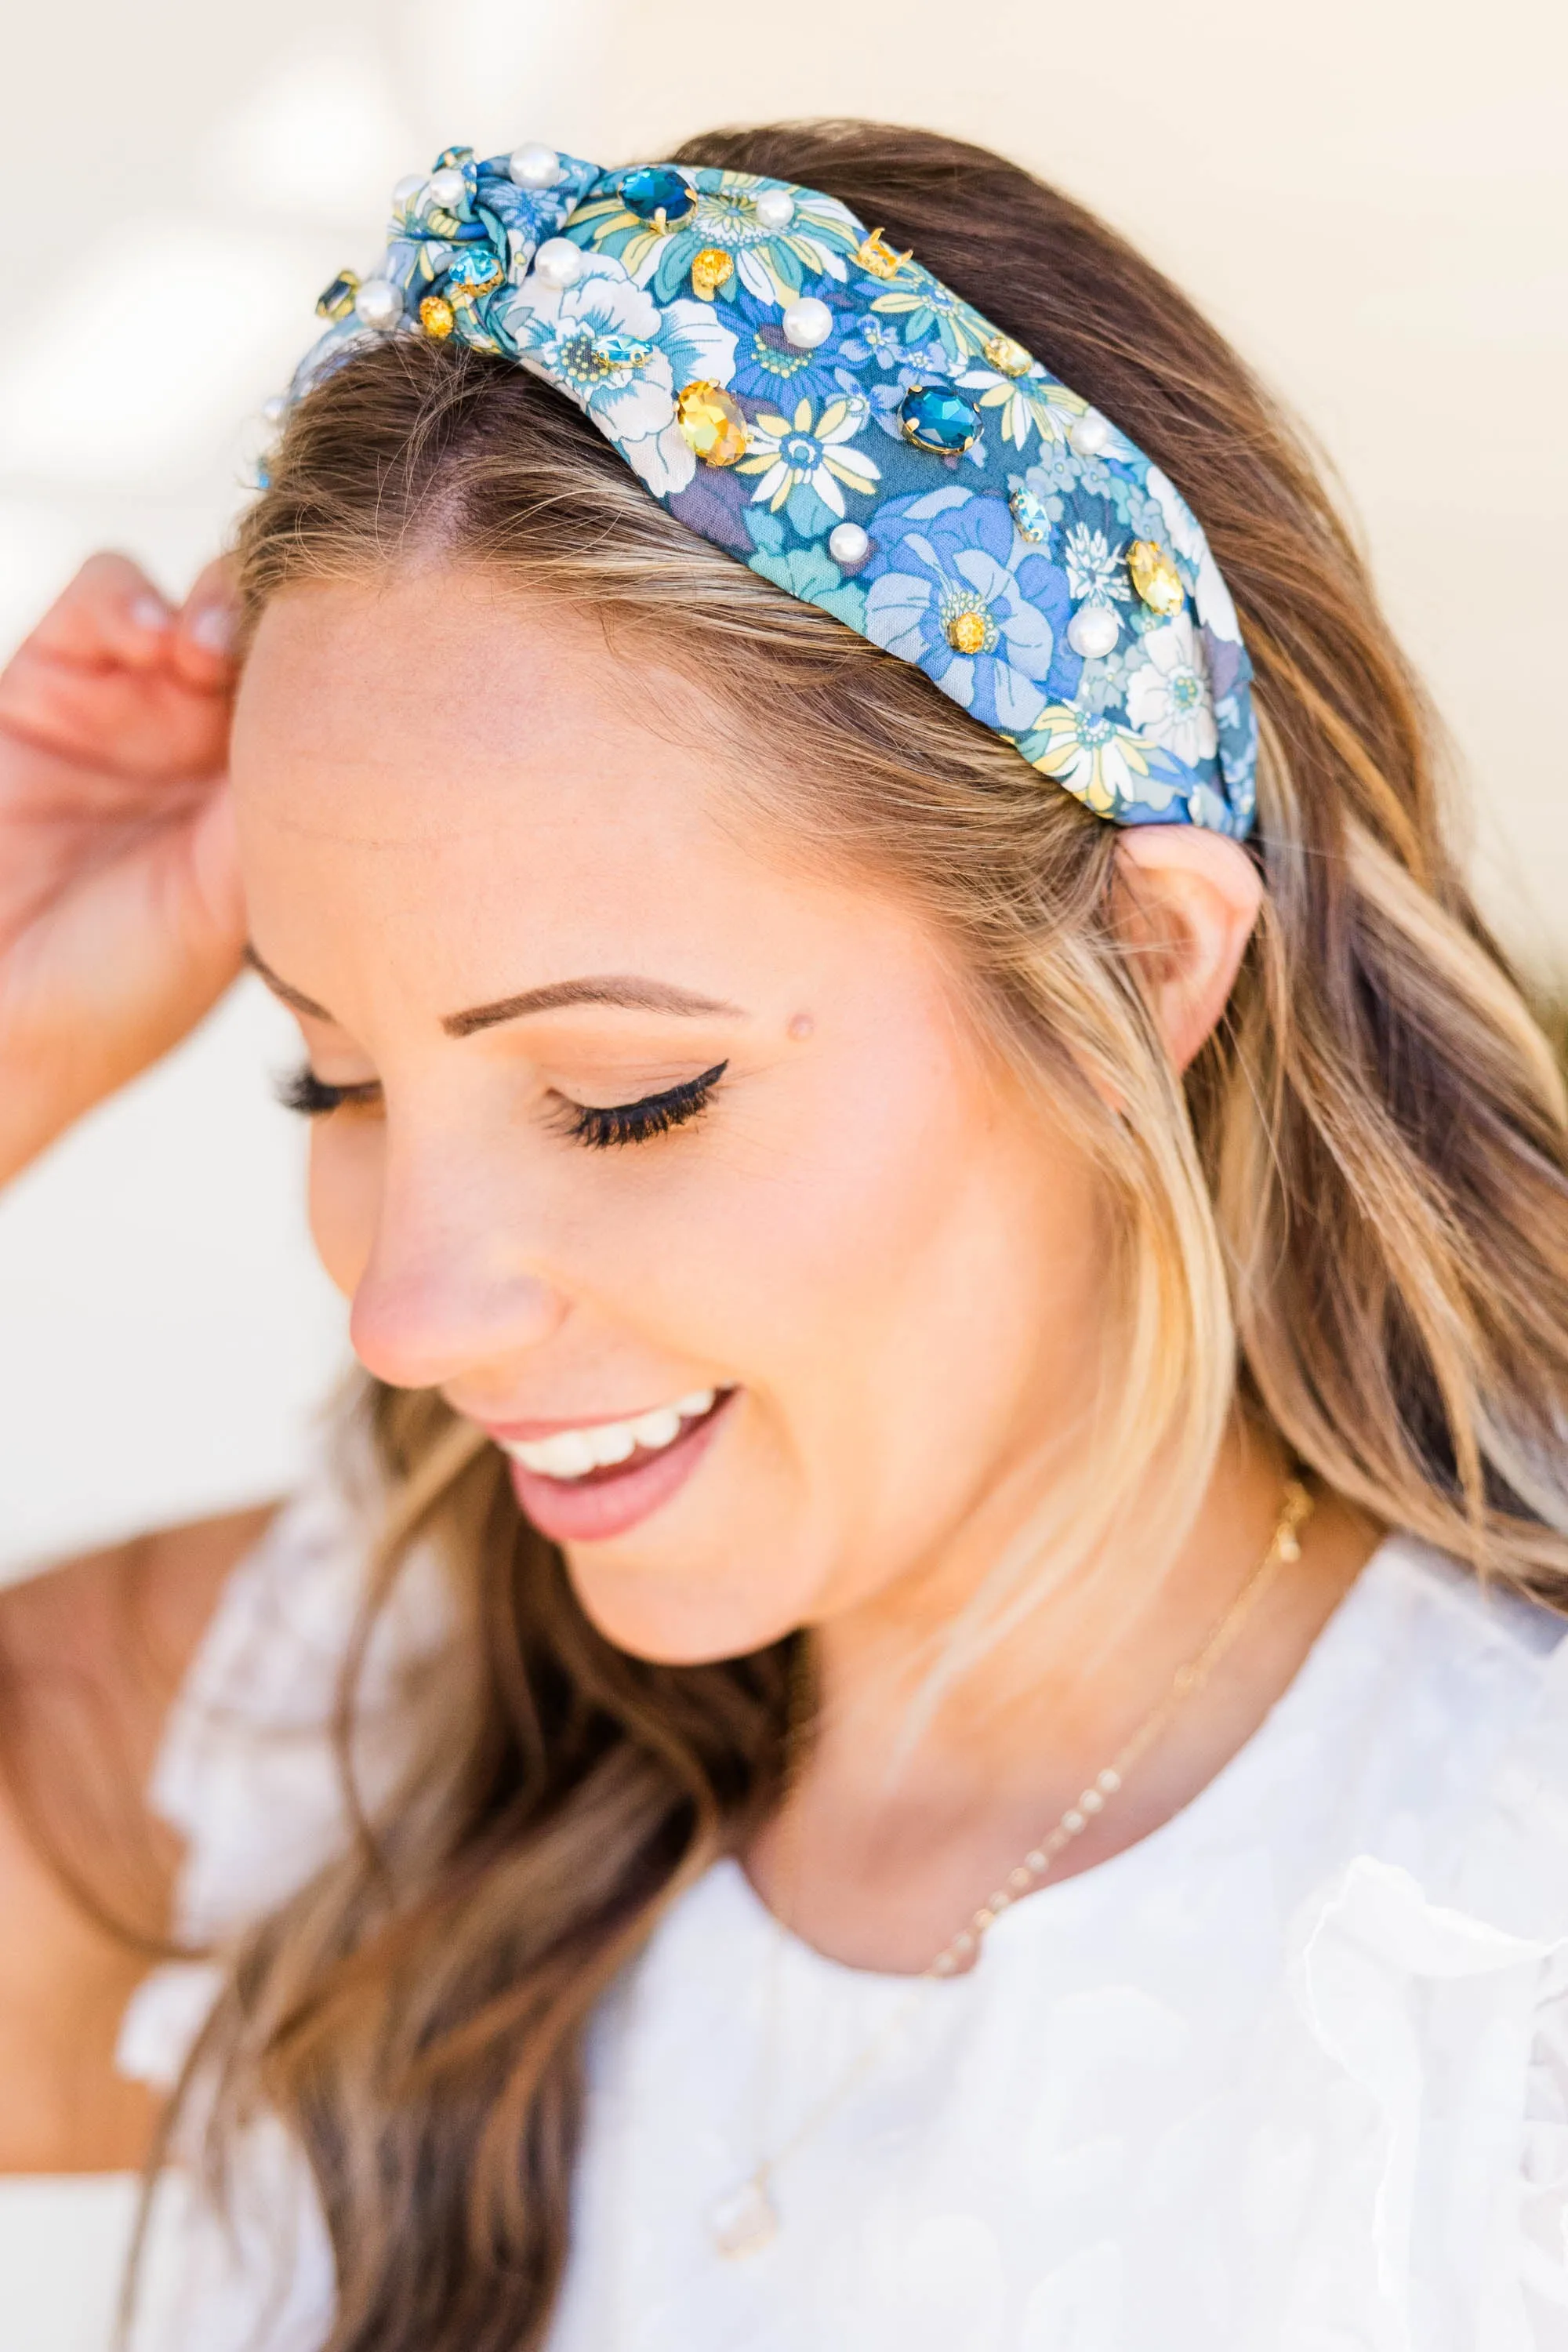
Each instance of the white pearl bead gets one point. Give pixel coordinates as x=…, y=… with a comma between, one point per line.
x=447, y=188
x=775, y=208
x=534, y=166
x=807, y=323
x=1093, y=631
x=378, y=303
x=275, y=410
x=407, y=188
x=848, y=544
x=558, y=262
x=1089, y=434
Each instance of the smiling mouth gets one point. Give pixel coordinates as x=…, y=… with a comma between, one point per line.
x=600, y=1452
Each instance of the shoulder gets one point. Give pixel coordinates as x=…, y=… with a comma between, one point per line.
x=1446, y=1703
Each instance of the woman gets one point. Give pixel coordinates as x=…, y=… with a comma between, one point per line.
x=915, y=1219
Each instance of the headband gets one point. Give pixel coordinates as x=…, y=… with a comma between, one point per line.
x=827, y=411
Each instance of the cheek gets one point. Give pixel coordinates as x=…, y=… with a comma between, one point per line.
x=884, y=1242
x=346, y=1156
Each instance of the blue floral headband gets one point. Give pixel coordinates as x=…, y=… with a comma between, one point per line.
x=827, y=411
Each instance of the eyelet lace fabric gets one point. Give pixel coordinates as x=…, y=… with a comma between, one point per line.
x=1289, y=2075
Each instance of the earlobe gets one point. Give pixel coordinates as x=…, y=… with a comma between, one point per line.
x=1191, y=904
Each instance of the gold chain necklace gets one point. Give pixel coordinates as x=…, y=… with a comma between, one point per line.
x=746, y=2218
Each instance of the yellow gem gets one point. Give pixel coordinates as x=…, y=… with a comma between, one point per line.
x=1008, y=357
x=710, y=268
x=438, y=317
x=712, y=423
x=966, y=632
x=879, y=258
x=1156, y=577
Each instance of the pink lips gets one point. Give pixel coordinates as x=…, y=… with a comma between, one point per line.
x=611, y=1502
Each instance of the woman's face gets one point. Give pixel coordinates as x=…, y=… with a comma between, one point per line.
x=681, y=1174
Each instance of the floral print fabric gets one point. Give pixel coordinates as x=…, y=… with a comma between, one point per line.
x=973, y=562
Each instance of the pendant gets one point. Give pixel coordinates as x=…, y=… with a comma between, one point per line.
x=746, y=2221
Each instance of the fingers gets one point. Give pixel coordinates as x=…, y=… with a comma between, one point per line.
x=202, y=645
x=111, y=612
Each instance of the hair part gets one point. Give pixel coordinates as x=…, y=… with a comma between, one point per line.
x=1349, y=1213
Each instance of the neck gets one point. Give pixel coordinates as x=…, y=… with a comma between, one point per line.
x=919, y=1795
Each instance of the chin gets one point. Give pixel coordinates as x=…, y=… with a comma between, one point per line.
x=682, y=1619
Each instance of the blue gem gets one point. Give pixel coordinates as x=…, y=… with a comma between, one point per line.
x=942, y=422
x=475, y=272
x=656, y=188
x=1032, y=515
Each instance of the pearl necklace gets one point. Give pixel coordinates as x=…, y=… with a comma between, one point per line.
x=746, y=2218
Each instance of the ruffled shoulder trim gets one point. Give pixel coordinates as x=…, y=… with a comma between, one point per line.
x=248, y=1772
x=1437, y=2015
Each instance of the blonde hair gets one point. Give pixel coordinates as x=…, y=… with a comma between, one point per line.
x=1350, y=1211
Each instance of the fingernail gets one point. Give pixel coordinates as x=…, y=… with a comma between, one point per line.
x=150, y=613
x=212, y=629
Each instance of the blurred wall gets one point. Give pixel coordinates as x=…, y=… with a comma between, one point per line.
x=1370, y=196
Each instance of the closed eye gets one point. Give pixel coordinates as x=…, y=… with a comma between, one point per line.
x=313, y=1098
x=600, y=1126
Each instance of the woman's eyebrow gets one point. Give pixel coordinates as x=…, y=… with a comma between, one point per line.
x=625, y=991
x=293, y=997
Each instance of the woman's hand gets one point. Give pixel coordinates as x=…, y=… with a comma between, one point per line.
x=121, y=918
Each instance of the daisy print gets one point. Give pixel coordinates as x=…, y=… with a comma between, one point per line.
x=811, y=452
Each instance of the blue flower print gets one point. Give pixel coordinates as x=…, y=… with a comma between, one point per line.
x=1161, y=728
x=609, y=345
x=953, y=588
x=875, y=344
x=771, y=370
x=806, y=571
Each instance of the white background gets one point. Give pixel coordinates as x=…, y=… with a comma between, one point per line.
x=1371, y=196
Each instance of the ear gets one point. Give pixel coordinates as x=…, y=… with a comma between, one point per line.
x=1191, y=900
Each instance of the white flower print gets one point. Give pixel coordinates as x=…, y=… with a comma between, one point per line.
x=1168, y=697
x=1215, y=610
x=1096, y=573
x=604, y=341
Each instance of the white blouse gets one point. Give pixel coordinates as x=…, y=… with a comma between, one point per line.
x=1289, y=2075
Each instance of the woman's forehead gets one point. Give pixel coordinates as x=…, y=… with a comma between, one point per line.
x=436, y=715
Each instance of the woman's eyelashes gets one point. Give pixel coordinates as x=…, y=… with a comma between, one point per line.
x=313, y=1098
x=601, y=1125
x=595, y=1124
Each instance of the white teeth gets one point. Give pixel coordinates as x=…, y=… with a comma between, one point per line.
x=573, y=1453
x=655, y=1429
x=568, y=1454
x=613, y=1444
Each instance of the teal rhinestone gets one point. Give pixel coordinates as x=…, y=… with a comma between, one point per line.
x=944, y=422
x=475, y=272
x=657, y=188
x=1031, y=515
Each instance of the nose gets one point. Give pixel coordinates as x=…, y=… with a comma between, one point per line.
x=450, y=1287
